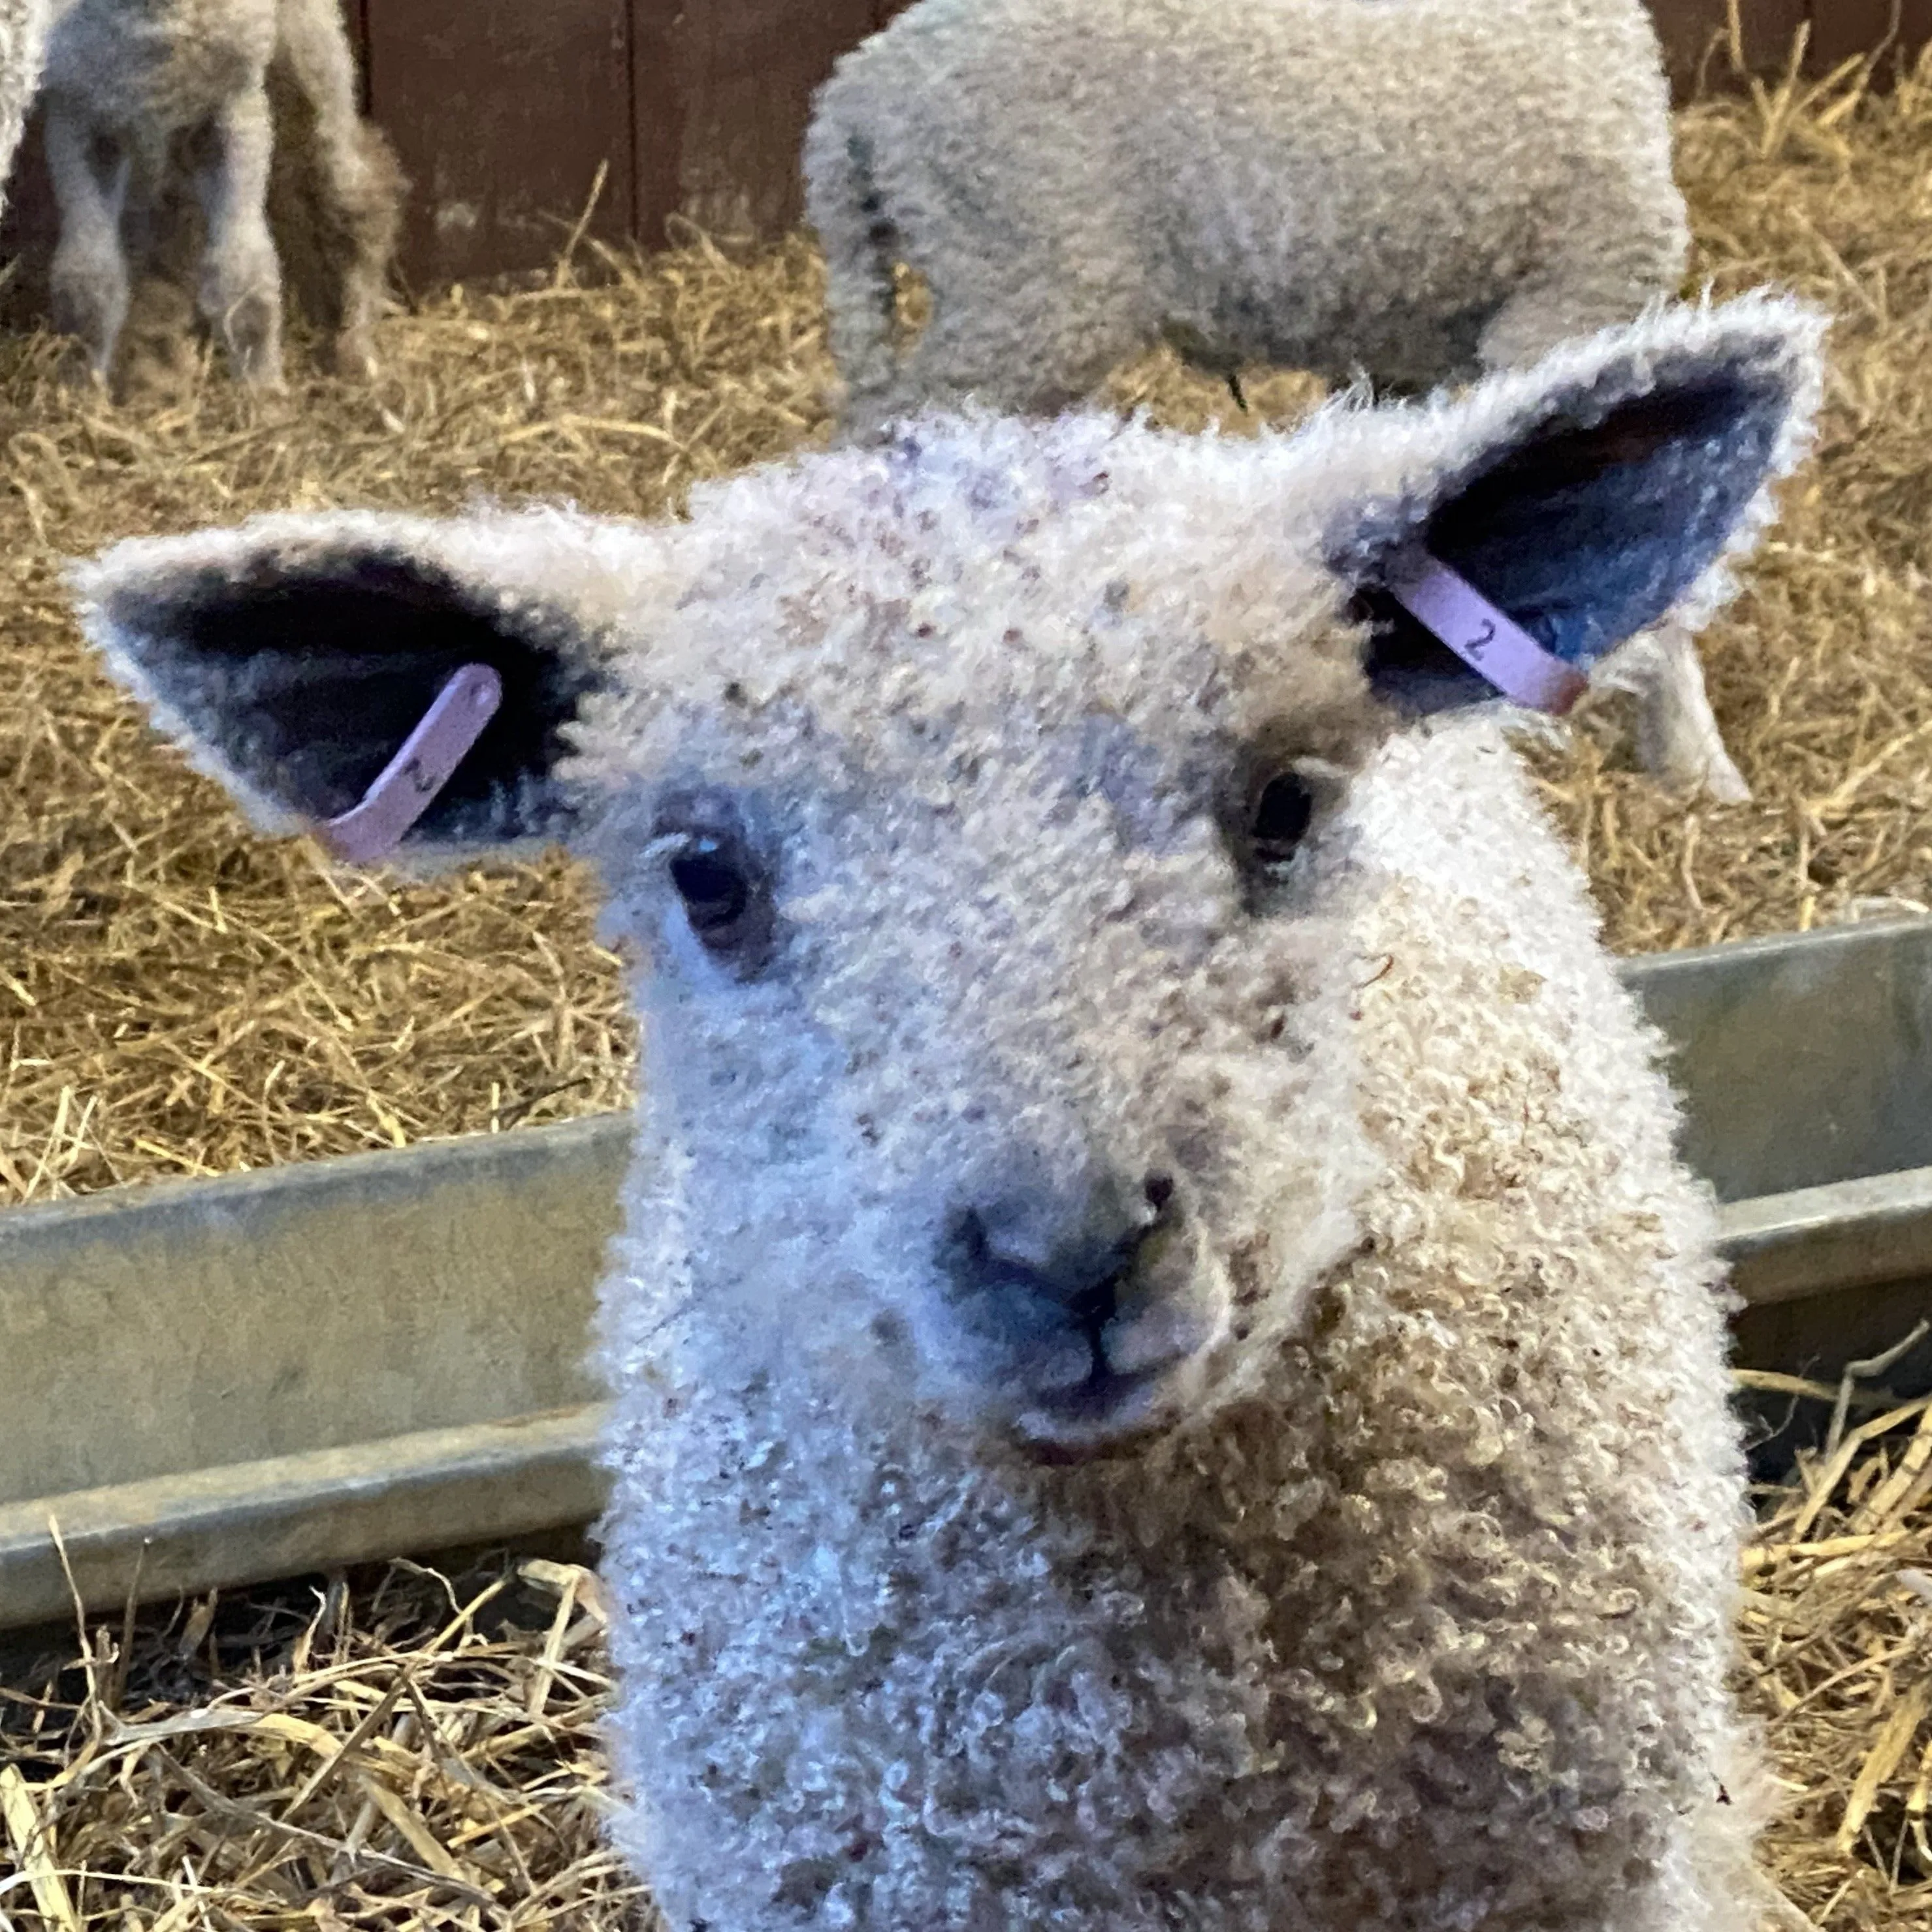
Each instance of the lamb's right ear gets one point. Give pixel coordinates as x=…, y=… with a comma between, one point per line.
x=292, y=658
x=1508, y=538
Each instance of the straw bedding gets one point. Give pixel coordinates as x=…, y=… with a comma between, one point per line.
x=403, y=1750
x=418, y=1751
x=179, y=998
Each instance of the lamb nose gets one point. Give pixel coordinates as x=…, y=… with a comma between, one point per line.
x=1075, y=1271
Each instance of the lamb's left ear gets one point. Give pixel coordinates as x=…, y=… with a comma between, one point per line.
x=1579, y=500
x=295, y=657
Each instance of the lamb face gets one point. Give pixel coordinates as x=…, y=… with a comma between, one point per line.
x=972, y=998
x=977, y=808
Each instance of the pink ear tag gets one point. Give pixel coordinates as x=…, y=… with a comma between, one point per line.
x=423, y=763
x=1490, y=641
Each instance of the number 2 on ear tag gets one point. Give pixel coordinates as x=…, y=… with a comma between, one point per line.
x=1486, y=639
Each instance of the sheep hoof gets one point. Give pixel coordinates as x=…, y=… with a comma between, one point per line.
x=354, y=358
x=1723, y=783
x=1709, y=775
x=81, y=375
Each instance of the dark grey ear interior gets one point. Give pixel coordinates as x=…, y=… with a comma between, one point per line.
x=1587, y=528
x=300, y=680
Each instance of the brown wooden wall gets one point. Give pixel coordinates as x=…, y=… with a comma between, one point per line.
x=502, y=111
x=1839, y=29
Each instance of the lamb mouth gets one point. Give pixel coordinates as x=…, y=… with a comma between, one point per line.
x=1105, y=1414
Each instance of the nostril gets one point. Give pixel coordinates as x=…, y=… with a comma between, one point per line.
x=966, y=1237
x=1159, y=1189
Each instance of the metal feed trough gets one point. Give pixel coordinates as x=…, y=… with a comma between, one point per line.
x=215, y=1381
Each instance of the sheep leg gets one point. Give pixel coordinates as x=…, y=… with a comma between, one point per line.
x=361, y=181
x=89, y=291
x=1677, y=741
x=1542, y=313
x=350, y=189
x=241, y=292
x=1585, y=286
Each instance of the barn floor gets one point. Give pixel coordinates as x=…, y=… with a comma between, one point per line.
x=176, y=997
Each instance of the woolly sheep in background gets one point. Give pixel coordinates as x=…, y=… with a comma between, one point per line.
x=253, y=102
x=1166, y=1372
x=1408, y=189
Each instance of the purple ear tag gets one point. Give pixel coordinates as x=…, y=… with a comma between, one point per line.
x=1490, y=641
x=423, y=763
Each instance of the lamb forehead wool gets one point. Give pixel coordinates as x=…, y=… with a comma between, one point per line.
x=916, y=595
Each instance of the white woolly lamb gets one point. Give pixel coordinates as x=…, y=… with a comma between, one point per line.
x=1405, y=189
x=254, y=102
x=1166, y=1373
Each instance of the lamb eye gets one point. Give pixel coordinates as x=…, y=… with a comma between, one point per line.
x=725, y=887
x=1282, y=815
x=716, y=891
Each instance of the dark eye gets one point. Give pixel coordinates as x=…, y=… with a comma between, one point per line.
x=716, y=891
x=724, y=886
x=1283, y=812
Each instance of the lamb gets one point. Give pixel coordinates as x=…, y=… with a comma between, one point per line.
x=1411, y=188
x=254, y=101
x=1166, y=1371
x=1406, y=189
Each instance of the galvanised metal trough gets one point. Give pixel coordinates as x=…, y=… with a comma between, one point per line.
x=217, y=1381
